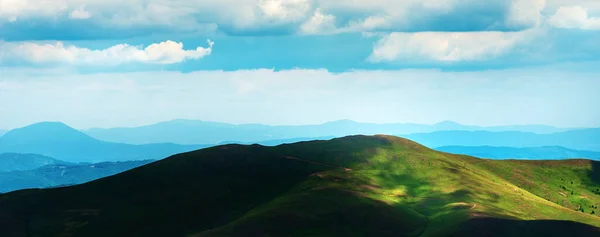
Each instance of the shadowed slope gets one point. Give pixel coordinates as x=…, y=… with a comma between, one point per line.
x=352, y=186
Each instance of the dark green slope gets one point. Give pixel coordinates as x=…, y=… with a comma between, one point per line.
x=353, y=186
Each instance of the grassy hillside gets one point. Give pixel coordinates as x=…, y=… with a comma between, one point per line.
x=352, y=186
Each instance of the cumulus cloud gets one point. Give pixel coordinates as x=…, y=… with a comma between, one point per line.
x=13, y=10
x=80, y=13
x=319, y=23
x=285, y=10
x=526, y=13
x=447, y=46
x=300, y=16
x=167, y=52
x=574, y=17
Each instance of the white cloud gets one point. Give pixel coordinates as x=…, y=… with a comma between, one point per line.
x=447, y=46
x=368, y=24
x=300, y=15
x=13, y=10
x=284, y=10
x=574, y=17
x=80, y=13
x=318, y=23
x=526, y=13
x=166, y=52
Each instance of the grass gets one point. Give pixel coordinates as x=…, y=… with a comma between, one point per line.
x=353, y=186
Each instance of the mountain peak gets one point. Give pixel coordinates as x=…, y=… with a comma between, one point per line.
x=448, y=123
x=44, y=131
x=342, y=121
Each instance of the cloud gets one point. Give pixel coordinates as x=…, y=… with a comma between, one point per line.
x=167, y=52
x=526, y=13
x=574, y=17
x=243, y=17
x=319, y=23
x=13, y=10
x=284, y=10
x=447, y=46
x=302, y=96
x=80, y=13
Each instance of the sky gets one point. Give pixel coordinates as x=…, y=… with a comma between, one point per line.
x=109, y=63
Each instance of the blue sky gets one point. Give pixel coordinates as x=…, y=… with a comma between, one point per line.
x=107, y=63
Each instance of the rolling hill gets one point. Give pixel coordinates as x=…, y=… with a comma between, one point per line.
x=580, y=139
x=62, y=142
x=19, y=162
x=201, y=132
x=351, y=186
x=531, y=153
x=62, y=174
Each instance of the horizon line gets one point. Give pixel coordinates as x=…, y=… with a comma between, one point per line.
x=305, y=124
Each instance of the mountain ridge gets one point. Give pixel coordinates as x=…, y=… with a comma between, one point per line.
x=62, y=174
x=543, y=153
x=62, y=142
x=197, y=131
x=20, y=162
x=579, y=139
x=351, y=186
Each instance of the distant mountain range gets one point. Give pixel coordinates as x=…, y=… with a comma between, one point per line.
x=62, y=142
x=580, y=139
x=19, y=162
x=530, y=153
x=201, y=132
x=62, y=174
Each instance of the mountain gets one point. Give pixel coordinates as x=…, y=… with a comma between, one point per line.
x=17, y=162
x=201, y=132
x=351, y=186
x=279, y=142
x=579, y=139
x=534, y=153
x=2, y=132
x=62, y=142
x=62, y=174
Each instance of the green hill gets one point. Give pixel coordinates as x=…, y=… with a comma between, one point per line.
x=352, y=186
